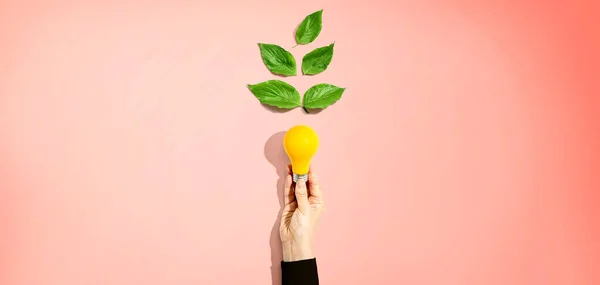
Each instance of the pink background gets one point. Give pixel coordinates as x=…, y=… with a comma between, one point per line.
x=464, y=151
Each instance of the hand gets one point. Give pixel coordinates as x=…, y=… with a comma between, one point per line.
x=303, y=207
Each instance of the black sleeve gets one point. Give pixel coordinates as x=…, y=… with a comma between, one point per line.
x=303, y=272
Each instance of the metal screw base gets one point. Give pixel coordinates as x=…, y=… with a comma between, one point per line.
x=297, y=177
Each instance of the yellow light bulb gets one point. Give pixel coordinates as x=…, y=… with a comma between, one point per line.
x=301, y=144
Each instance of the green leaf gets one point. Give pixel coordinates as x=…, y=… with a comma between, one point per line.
x=276, y=93
x=310, y=28
x=321, y=96
x=317, y=60
x=277, y=59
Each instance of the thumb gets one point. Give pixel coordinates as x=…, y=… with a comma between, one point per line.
x=302, y=196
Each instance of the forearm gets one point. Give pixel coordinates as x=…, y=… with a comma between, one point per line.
x=299, y=266
x=295, y=251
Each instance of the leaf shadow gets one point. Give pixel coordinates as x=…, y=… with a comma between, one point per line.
x=274, y=109
x=311, y=75
x=294, y=35
x=312, y=111
x=279, y=75
x=275, y=154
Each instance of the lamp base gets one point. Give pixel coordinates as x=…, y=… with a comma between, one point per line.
x=297, y=177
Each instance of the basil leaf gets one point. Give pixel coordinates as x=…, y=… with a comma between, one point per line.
x=277, y=59
x=317, y=60
x=321, y=96
x=276, y=93
x=310, y=28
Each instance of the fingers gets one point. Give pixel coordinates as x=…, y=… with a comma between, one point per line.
x=301, y=191
x=313, y=184
x=288, y=193
x=302, y=197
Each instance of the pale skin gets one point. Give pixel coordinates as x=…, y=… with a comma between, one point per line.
x=302, y=210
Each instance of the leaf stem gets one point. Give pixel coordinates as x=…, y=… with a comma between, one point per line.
x=305, y=110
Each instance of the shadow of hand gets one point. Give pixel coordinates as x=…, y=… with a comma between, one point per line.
x=275, y=154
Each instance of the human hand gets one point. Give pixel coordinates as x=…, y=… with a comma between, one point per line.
x=303, y=207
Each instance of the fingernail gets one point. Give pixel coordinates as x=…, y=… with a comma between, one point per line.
x=301, y=184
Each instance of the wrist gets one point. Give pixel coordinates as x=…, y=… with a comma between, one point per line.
x=296, y=251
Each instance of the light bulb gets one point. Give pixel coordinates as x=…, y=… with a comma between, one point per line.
x=300, y=143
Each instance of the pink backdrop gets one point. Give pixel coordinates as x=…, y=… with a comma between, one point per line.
x=464, y=151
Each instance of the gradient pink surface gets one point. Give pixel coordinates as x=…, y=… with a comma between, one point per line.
x=464, y=151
